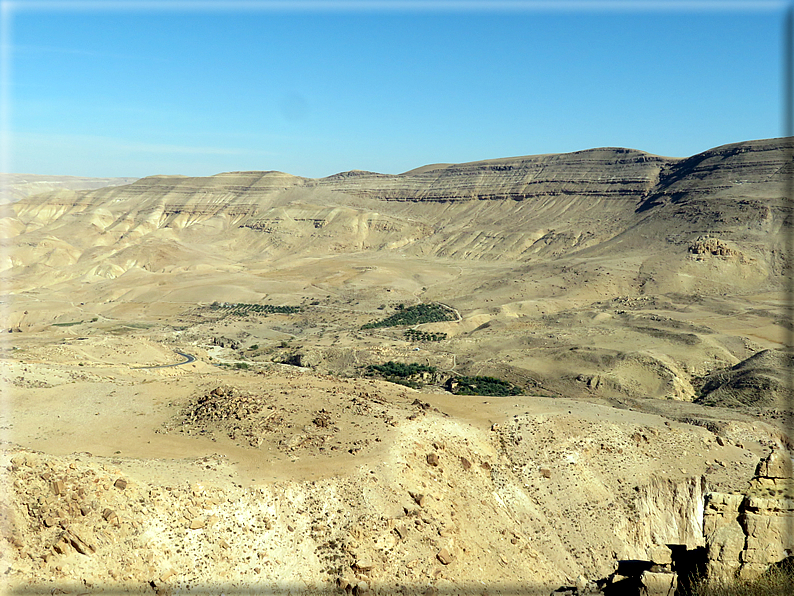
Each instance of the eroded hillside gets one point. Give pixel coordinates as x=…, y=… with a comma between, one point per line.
x=522, y=370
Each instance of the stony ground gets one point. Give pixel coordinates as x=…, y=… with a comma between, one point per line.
x=629, y=297
x=415, y=489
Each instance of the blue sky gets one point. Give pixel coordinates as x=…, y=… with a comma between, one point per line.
x=193, y=89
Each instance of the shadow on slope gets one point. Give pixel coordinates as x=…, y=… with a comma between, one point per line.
x=760, y=380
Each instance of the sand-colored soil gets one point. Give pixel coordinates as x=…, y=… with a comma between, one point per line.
x=277, y=461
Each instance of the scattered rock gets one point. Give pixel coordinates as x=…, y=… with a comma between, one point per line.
x=661, y=555
x=444, y=556
x=420, y=499
x=658, y=584
x=364, y=563
x=58, y=487
x=80, y=544
x=61, y=545
x=344, y=583
x=166, y=575
x=197, y=523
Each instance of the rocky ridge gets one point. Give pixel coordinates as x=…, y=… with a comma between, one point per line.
x=633, y=283
x=539, y=501
x=521, y=209
x=17, y=186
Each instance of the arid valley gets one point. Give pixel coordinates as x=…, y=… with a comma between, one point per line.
x=510, y=376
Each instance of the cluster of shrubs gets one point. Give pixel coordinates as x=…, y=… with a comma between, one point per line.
x=401, y=373
x=73, y=323
x=416, y=335
x=483, y=386
x=405, y=374
x=400, y=369
x=236, y=365
x=413, y=315
x=241, y=308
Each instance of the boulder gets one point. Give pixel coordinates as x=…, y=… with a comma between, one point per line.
x=658, y=584
x=444, y=556
x=776, y=465
x=660, y=555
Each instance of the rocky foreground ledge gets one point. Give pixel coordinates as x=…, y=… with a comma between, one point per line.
x=81, y=525
x=744, y=535
x=446, y=511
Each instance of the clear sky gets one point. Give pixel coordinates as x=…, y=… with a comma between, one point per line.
x=109, y=89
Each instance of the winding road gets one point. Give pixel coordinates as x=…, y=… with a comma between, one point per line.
x=453, y=309
x=189, y=358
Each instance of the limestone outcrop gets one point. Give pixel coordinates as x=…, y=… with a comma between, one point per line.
x=743, y=535
x=746, y=533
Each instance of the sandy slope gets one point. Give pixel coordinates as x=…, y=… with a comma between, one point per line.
x=614, y=288
x=339, y=460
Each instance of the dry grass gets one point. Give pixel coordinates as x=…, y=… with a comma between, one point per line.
x=778, y=580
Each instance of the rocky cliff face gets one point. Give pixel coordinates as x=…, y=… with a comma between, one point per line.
x=608, y=173
x=735, y=170
x=541, y=501
x=746, y=533
x=731, y=537
x=735, y=190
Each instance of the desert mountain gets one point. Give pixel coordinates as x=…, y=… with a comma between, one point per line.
x=555, y=231
x=513, y=210
x=16, y=186
x=503, y=374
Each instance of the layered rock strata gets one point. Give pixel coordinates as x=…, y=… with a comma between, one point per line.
x=746, y=533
